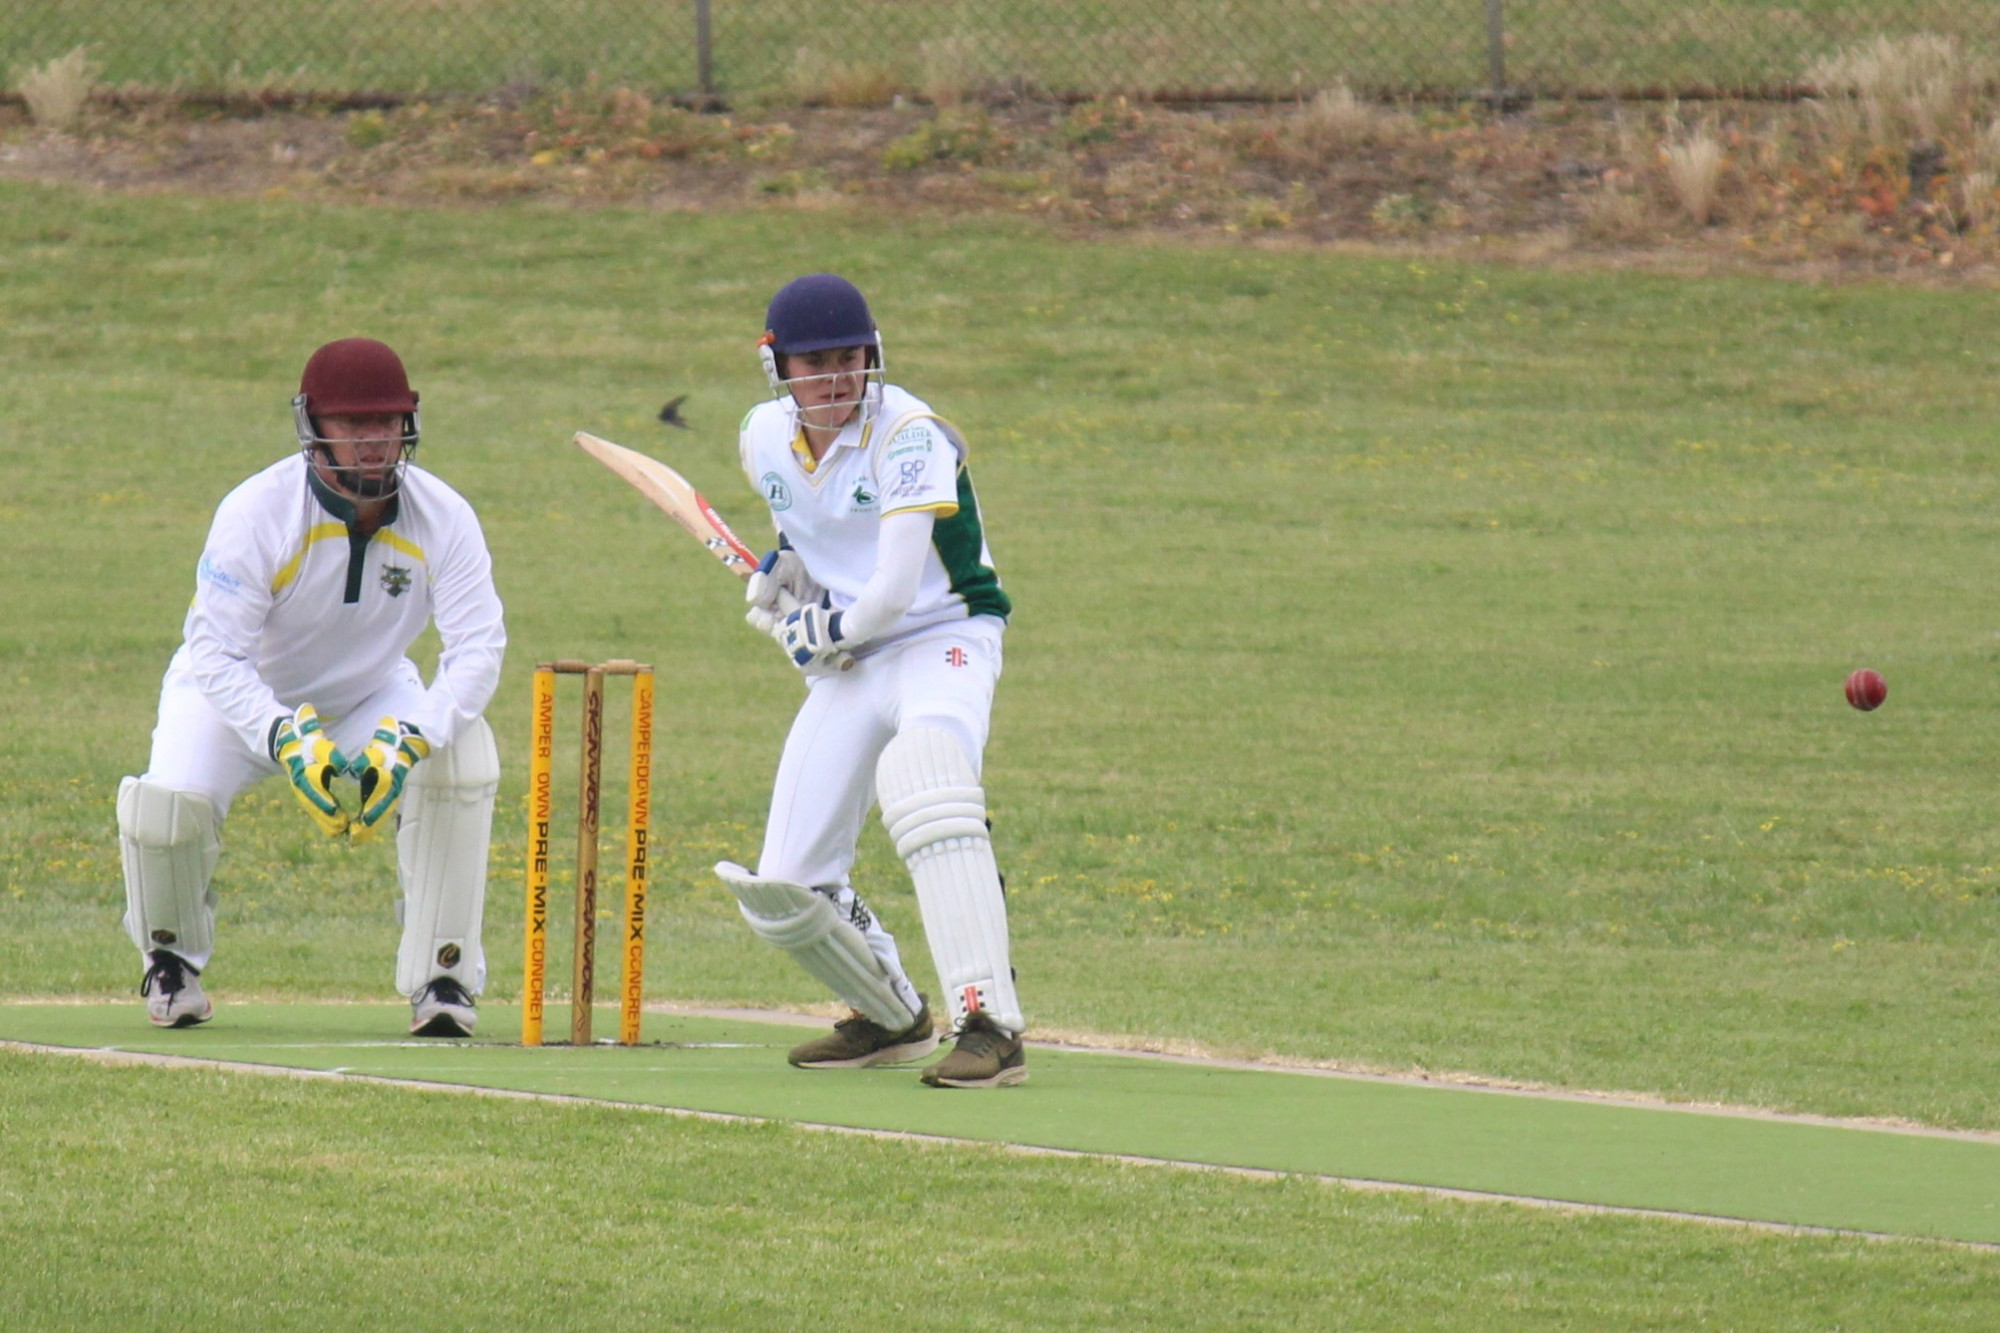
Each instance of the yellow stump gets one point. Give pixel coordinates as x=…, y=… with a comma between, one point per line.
x=632, y=983
x=541, y=807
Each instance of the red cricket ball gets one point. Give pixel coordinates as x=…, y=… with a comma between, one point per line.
x=1866, y=690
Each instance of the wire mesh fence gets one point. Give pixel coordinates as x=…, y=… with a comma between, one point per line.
x=834, y=50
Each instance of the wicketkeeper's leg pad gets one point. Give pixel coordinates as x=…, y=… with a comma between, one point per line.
x=935, y=811
x=443, y=828
x=806, y=925
x=170, y=841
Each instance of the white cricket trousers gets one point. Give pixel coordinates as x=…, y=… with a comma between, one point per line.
x=940, y=677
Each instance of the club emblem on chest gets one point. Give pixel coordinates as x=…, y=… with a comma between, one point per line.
x=863, y=497
x=395, y=580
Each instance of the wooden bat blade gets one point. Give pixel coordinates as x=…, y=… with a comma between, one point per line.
x=685, y=505
x=676, y=497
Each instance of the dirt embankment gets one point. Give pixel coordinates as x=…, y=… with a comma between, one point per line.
x=1776, y=188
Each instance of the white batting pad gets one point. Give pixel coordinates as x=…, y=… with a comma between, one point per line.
x=935, y=812
x=805, y=925
x=442, y=832
x=170, y=841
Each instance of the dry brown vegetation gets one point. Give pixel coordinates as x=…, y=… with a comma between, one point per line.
x=57, y=92
x=1893, y=169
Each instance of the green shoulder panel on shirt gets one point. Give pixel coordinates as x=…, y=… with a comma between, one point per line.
x=959, y=541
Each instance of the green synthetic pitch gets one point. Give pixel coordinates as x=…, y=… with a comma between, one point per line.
x=1575, y=1151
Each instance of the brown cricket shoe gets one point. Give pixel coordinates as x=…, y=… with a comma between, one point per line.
x=858, y=1041
x=986, y=1056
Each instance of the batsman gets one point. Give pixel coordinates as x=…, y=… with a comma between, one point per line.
x=883, y=594
x=317, y=576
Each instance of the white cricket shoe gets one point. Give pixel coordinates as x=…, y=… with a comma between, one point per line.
x=441, y=1008
x=174, y=998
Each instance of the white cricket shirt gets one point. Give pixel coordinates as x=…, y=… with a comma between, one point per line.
x=291, y=607
x=904, y=458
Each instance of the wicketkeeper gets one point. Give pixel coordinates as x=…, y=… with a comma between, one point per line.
x=318, y=574
x=896, y=626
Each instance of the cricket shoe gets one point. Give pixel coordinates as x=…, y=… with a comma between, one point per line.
x=985, y=1056
x=441, y=1008
x=858, y=1041
x=174, y=998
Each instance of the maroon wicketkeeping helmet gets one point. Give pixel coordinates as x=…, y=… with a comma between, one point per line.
x=354, y=377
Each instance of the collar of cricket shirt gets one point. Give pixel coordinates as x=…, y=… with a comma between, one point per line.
x=341, y=507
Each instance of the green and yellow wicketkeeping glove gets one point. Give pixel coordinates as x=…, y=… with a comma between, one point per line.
x=381, y=770
x=311, y=762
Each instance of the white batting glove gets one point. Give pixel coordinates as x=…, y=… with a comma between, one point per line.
x=779, y=586
x=811, y=636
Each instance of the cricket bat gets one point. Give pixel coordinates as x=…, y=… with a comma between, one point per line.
x=680, y=501
x=677, y=497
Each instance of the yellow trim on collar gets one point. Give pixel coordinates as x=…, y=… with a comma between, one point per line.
x=319, y=532
x=398, y=542
x=803, y=452
x=326, y=532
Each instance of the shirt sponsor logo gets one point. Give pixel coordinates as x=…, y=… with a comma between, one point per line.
x=863, y=497
x=776, y=493
x=910, y=440
x=215, y=575
x=909, y=477
x=395, y=580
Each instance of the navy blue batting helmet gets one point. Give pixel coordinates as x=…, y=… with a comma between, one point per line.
x=818, y=311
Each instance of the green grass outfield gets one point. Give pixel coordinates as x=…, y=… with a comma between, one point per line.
x=1419, y=666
